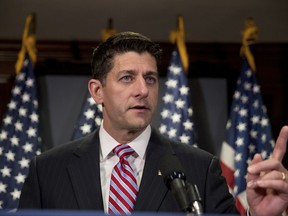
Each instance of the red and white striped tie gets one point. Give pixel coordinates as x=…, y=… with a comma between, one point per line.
x=123, y=185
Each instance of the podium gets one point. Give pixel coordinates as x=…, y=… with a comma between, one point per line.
x=89, y=213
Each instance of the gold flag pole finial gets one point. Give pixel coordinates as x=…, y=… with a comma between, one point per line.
x=28, y=43
x=249, y=36
x=178, y=36
x=108, y=31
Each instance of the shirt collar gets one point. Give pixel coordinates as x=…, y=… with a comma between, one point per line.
x=139, y=144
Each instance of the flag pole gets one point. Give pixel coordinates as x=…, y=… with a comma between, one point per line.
x=108, y=31
x=28, y=43
x=249, y=37
x=178, y=37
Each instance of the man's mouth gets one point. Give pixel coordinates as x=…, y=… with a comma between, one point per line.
x=140, y=107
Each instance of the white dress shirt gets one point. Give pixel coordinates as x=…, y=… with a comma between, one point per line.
x=108, y=160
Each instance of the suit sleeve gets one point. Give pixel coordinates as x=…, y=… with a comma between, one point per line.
x=30, y=194
x=218, y=199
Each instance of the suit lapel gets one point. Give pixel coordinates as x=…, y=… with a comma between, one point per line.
x=152, y=190
x=84, y=171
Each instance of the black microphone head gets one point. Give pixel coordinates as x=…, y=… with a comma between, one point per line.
x=171, y=168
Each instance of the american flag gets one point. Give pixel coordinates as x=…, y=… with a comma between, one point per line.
x=248, y=132
x=19, y=136
x=177, y=112
x=89, y=119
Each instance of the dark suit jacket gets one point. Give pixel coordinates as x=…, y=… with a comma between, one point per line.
x=68, y=177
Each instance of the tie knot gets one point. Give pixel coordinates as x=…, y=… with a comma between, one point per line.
x=123, y=150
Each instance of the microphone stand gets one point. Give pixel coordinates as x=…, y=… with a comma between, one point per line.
x=193, y=205
x=186, y=194
x=194, y=200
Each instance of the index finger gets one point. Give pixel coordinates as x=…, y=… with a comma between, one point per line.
x=280, y=147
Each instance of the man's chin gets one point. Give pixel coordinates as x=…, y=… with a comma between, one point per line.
x=139, y=126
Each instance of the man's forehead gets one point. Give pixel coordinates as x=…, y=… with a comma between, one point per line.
x=133, y=59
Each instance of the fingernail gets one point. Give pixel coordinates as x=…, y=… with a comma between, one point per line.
x=260, y=183
x=250, y=184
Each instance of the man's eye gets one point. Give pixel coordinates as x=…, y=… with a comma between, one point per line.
x=126, y=78
x=151, y=80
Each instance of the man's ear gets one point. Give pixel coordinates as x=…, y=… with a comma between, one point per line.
x=95, y=88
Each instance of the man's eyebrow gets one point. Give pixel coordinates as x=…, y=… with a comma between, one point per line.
x=148, y=73
x=127, y=71
x=154, y=73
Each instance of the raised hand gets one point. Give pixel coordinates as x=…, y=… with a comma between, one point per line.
x=267, y=181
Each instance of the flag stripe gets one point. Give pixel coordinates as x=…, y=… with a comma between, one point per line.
x=225, y=156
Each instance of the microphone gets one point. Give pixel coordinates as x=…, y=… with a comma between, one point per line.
x=195, y=198
x=186, y=194
x=174, y=179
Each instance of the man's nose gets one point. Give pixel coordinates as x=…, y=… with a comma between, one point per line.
x=141, y=88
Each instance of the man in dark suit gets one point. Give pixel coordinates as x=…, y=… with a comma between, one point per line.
x=77, y=175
